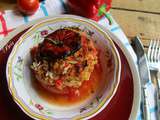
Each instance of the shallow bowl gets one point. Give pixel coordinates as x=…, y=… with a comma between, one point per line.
x=20, y=79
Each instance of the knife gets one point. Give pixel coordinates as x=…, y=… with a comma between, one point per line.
x=144, y=75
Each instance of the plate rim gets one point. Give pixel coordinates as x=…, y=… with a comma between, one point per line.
x=135, y=106
x=135, y=75
x=132, y=61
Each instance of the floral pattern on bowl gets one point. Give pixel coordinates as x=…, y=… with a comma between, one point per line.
x=20, y=80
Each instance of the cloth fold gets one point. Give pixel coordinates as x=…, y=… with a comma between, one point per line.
x=10, y=19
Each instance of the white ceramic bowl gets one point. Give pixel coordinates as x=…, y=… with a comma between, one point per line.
x=20, y=81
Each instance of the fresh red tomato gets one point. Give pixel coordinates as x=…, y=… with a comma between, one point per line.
x=28, y=7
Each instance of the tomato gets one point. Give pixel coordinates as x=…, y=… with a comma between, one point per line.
x=58, y=84
x=73, y=93
x=28, y=7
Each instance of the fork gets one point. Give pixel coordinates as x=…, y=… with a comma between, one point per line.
x=154, y=64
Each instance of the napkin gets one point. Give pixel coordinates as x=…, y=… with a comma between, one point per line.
x=151, y=90
x=10, y=19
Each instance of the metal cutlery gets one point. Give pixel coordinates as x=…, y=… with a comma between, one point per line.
x=154, y=64
x=144, y=75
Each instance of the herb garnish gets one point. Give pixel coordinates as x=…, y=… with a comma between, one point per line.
x=55, y=42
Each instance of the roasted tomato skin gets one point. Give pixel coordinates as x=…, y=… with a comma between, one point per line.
x=60, y=44
x=28, y=7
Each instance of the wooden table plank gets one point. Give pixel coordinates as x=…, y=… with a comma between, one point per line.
x=134, y=23
x=142, y=5
x=7, y=4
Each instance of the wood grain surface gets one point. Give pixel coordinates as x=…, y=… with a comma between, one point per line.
x=139, y=5
x=7, y=4
x=134, y=16
x=133, y=23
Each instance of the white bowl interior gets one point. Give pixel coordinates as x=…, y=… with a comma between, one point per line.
x=20, y=78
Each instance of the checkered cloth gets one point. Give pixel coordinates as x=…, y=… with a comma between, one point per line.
x=10, y=19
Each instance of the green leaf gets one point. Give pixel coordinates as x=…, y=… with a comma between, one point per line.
x=83, y=109
x=31, y=102
x=36, y=38
x=102, y=10
x=108, y=16
x=73, y=62
x=48, y=112
x=55, y=42
x=98, y=99
x=50, y=28
x=18, y=76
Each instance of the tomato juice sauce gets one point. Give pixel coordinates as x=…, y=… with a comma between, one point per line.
x=86, y=90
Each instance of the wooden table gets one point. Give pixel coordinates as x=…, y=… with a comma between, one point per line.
x=134, y=16
x=138, y=17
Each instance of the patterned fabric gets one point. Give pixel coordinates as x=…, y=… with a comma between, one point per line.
x=11, y=19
